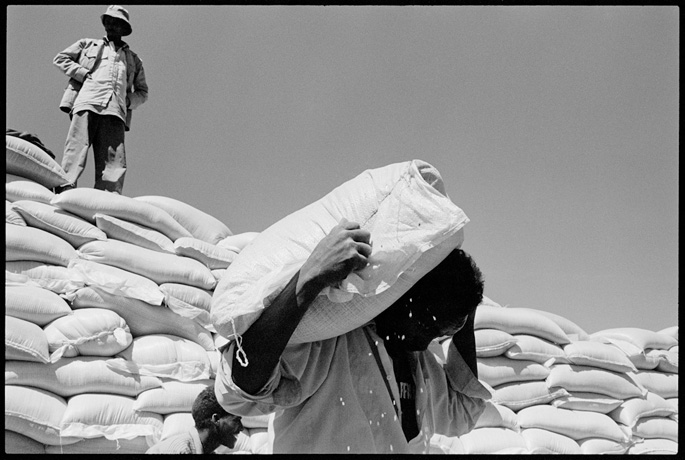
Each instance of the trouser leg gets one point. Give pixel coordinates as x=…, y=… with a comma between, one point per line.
x=110, y=154
x=76, y=146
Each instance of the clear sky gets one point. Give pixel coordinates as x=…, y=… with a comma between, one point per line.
x=555, y=129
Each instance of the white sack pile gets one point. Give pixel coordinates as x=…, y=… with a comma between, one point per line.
x=558, y=390
x=110, y=313
x=107, y=333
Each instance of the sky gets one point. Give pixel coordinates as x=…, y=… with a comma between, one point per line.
x=555, y=128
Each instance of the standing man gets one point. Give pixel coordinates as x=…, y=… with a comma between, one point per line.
x=107, y=82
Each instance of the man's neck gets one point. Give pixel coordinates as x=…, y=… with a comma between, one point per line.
x=116, y=40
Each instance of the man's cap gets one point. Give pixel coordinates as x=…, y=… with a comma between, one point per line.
x=118, y=12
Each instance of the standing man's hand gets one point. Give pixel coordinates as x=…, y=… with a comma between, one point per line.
x=345, y=249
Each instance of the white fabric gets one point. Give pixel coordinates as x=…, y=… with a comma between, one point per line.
x=413, y=227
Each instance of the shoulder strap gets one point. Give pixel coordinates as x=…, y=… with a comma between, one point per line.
x=374, y=350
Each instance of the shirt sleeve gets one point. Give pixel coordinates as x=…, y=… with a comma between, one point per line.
x=68, y=61
x=301, y=370
x=456, y=397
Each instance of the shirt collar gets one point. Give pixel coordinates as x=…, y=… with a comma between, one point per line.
x=106, y=40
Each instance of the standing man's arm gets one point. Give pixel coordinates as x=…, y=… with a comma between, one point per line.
x=138, y=96
x=345, y=249
x=68, y=61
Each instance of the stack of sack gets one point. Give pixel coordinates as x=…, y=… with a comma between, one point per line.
x=115, y=308
x=558, y=390
x=107, y=332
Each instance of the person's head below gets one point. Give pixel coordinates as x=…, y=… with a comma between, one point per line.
x=116, y=21
x=436, y=306
x=215, y=425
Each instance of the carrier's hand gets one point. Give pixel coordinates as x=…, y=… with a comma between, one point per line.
x=345, y=249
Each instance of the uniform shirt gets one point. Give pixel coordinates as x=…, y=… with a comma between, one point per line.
x=329, y=397
x=186, y=442
x=105, y=92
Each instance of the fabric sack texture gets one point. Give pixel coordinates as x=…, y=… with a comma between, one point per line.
x=200, y=224
x=34, y=304
x=82, y=374
x=122, y=230
x=413, y=225
x=27, y=190
x=71, y=228
x=86, y=202
x=31, y=162
x=29, y=243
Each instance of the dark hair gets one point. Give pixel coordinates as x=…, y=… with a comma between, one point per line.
x=204, y=406
x=457, y=280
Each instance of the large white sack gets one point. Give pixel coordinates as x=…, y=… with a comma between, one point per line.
x=572, y=423
x=633, y=409
x=493, y=342
x=71, y=228
x=518, y=395
x=164, y=355
x=88, y=332
x=71, y=376
x=592, y=379
x=532, y=348
x=200, y=224
x=640, y=358
x=142, y=318
x=603, y=446
x=642, y=338
x=238, y=241
x=177, y=422
x=31, y=162
x=661, y=383
x=29, y=243
x=102, y=445
x=656, y=428
x=87, y=202
x=654, y=447
x=12, y=216
x=25, y=341
x=211, y=255
x=122, y=230
x=572, y=330
x=34, y=304
x=668, y=360
x=589, y=353
x=413, y=226
x=91, y=415
x=16, y=443
x=491, y=440
x=157, y=266
x=498, y=370
x=190, y=302
x=519, y=321
x=441, y=444
x=172, y=396
x=544, y=442
x=37, y=414
x=117, y=281
x=54, y=278
x=27, y=190
x=585, y=400
x=496, y=415
x=671, y=331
